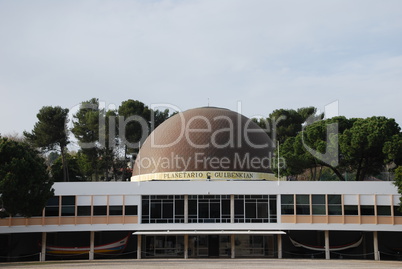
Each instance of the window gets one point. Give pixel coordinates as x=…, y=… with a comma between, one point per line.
x=100, y=210
x=255, y=208
x=52, y=207
x=68, y=205
x=334, y=204
x=397, y=212
x=287, y=204
x=318, y=201
x=367, y=210
x=302, y=204
x=209, y=208
x=84, y=210
x=131, y=210
x=383, y=210
x=351, y=210
x=115, y=210
x=162, y=209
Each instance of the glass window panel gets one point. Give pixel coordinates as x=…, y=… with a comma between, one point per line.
x=367, y=210
x=203, y=211
x=319, y=210
x=52, y=211
x=302, y=199
x=383, y=210
x=100, y=210
x=115, y=210
x=225, y=207
x=303, y=209
x=287, y=199
x=334, y=199
x=262, y=210
x=179, y=207
x=156, y=211
x=167, y=211
x=335, y=210
x=131, y=210
x=250, y=210
x=215, y=211
x=68, y=200
x=239, y=207
x=68, y=211
x=351, y=210
x=287, y=209
x=318, y=199
x=84, y=211
x=145, y=208
x=397, y=211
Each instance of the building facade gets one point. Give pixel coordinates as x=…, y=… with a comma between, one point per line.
x=202, y=186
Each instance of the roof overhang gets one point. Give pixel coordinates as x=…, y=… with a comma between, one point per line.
x=207, y=232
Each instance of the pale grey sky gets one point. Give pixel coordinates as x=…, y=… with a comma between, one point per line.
x=265, y=54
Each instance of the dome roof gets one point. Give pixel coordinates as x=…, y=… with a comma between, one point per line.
x=205, y=139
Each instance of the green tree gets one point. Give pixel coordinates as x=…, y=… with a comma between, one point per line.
x=87, y=129
x=25, y=186
x=73, y=169
x=135, y=115
x=284, y=123
x=363, y=144
x=50, y=133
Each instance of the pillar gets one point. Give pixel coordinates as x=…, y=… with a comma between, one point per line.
x=91, y=245
x=327, y=254
x=279, y=246
x=232, y=246
x=42, y=257
x=138, y=246
x=186, y=246
x=375, y=242
x=232, y=209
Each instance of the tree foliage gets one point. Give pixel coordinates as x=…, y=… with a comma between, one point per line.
x=50, y=132
x=25, y=186
x=358, y=146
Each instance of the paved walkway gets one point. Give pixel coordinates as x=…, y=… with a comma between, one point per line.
x=208, y=264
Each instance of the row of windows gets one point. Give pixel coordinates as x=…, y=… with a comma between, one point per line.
x=329, y=205
x=209, y=209
x=68, y=208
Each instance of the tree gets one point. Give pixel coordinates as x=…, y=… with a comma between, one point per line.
x=284, y=123
x=87, y=129
x=133, y=131
x=363, y=144
x=73, y=169
x=25, y=186
x=50, y=133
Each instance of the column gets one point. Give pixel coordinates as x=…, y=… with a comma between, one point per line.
x=92, y=245
x=42, y=257
x=138, y=246
x=327, y=254
x=232, y=246
x=232, y=209
x=375, y=242
x=186, y=246
x=279, y=246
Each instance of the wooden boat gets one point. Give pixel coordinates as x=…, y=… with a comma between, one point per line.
x=114, y=247
x=331, y=248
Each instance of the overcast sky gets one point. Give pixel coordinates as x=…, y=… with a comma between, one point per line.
x=265, y=54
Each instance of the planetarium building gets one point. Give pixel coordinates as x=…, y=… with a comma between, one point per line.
x=202, y=186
